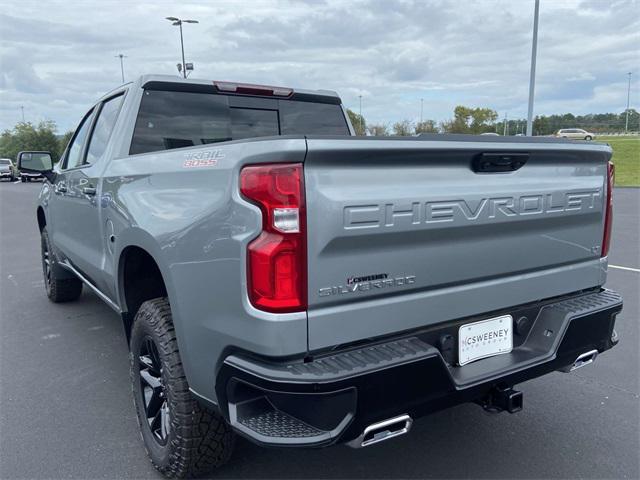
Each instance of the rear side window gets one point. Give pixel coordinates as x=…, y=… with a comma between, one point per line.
x=169, y=119
x=104, y=126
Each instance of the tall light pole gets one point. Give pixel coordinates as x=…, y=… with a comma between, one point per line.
x=360, y=119
x=532, y=77
x=121, y=57
x=421, y=108
x=626, y=123
x=178, y=22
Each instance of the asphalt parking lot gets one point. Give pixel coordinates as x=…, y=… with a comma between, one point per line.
x=66, y=409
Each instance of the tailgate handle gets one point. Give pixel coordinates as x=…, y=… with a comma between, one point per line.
x=499, y=162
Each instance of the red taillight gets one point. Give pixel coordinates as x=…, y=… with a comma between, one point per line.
x=277, y=260
x=608, y=214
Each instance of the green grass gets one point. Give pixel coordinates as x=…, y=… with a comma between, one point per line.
x=626, y=157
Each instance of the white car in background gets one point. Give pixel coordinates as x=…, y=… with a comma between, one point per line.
x=574, y=134
x=6, y=169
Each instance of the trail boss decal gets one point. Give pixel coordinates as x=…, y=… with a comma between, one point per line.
x=207, y=158
x=366, y=283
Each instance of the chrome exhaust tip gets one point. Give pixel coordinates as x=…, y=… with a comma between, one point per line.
x=381, y=431
x=584, y=359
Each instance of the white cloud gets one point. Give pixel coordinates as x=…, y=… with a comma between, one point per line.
x=56, y=58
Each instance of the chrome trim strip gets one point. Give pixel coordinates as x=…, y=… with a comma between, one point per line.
x=95, y=289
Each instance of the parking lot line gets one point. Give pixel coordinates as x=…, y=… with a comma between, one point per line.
x=637, y=270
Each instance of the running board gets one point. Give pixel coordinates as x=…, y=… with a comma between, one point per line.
x=65, y=264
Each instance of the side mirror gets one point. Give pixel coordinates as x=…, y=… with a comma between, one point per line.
x=36, y=162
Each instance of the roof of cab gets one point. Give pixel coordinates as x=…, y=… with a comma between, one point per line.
x=178, y=81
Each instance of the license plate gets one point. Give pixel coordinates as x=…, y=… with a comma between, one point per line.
x=486, y=338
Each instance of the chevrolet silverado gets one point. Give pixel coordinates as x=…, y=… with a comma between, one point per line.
x=279, y=278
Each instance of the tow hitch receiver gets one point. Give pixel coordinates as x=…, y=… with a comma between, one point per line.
x=501, y=399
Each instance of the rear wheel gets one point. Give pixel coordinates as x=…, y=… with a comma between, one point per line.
x=58, y=289
x=23, y=179
x=588, y=138
x=182, y=437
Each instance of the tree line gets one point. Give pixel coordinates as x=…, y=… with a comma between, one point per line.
x=43, y=135
x=27, y=136
x=485, y=120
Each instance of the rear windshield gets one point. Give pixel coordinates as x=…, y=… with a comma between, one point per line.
x=168, y=119
x=4, y=161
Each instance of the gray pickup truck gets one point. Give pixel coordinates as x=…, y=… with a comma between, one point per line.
x=282, y=279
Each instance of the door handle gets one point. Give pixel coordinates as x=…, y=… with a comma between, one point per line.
x=89, y=190
x=60, y=188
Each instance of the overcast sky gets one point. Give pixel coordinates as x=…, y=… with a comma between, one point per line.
x=56, y=58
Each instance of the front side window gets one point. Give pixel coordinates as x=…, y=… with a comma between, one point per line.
x=76, y=147
x=104, y=126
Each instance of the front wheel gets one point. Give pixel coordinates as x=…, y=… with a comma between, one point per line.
x=58, y=289
x=182, y=437
x=23, y=179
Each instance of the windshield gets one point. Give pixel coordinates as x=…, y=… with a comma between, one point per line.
x=170, y=119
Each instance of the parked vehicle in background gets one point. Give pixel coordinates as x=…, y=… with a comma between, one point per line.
x=575, y=134
x=32, y=158
x=280, y=278
x=7, y=169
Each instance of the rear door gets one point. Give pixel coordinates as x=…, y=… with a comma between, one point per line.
x=84, y=238
x=404, y=233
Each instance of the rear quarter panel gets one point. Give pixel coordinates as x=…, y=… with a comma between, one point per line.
x=195, y=225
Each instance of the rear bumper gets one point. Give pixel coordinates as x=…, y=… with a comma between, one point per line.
x=333, y=398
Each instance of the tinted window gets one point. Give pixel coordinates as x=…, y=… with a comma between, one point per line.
x=183, y=119
x=305, y=118
x=104, y=126
x=74, y=157
x=180, y=119
x=4, y=162
x=248, y=122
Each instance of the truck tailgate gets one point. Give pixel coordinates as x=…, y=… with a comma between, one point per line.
x=403, y=233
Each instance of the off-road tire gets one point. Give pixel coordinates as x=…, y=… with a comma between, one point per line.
x=58, y=289
x=198, y=439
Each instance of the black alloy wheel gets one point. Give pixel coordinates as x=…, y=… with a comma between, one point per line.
x=156, y=406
